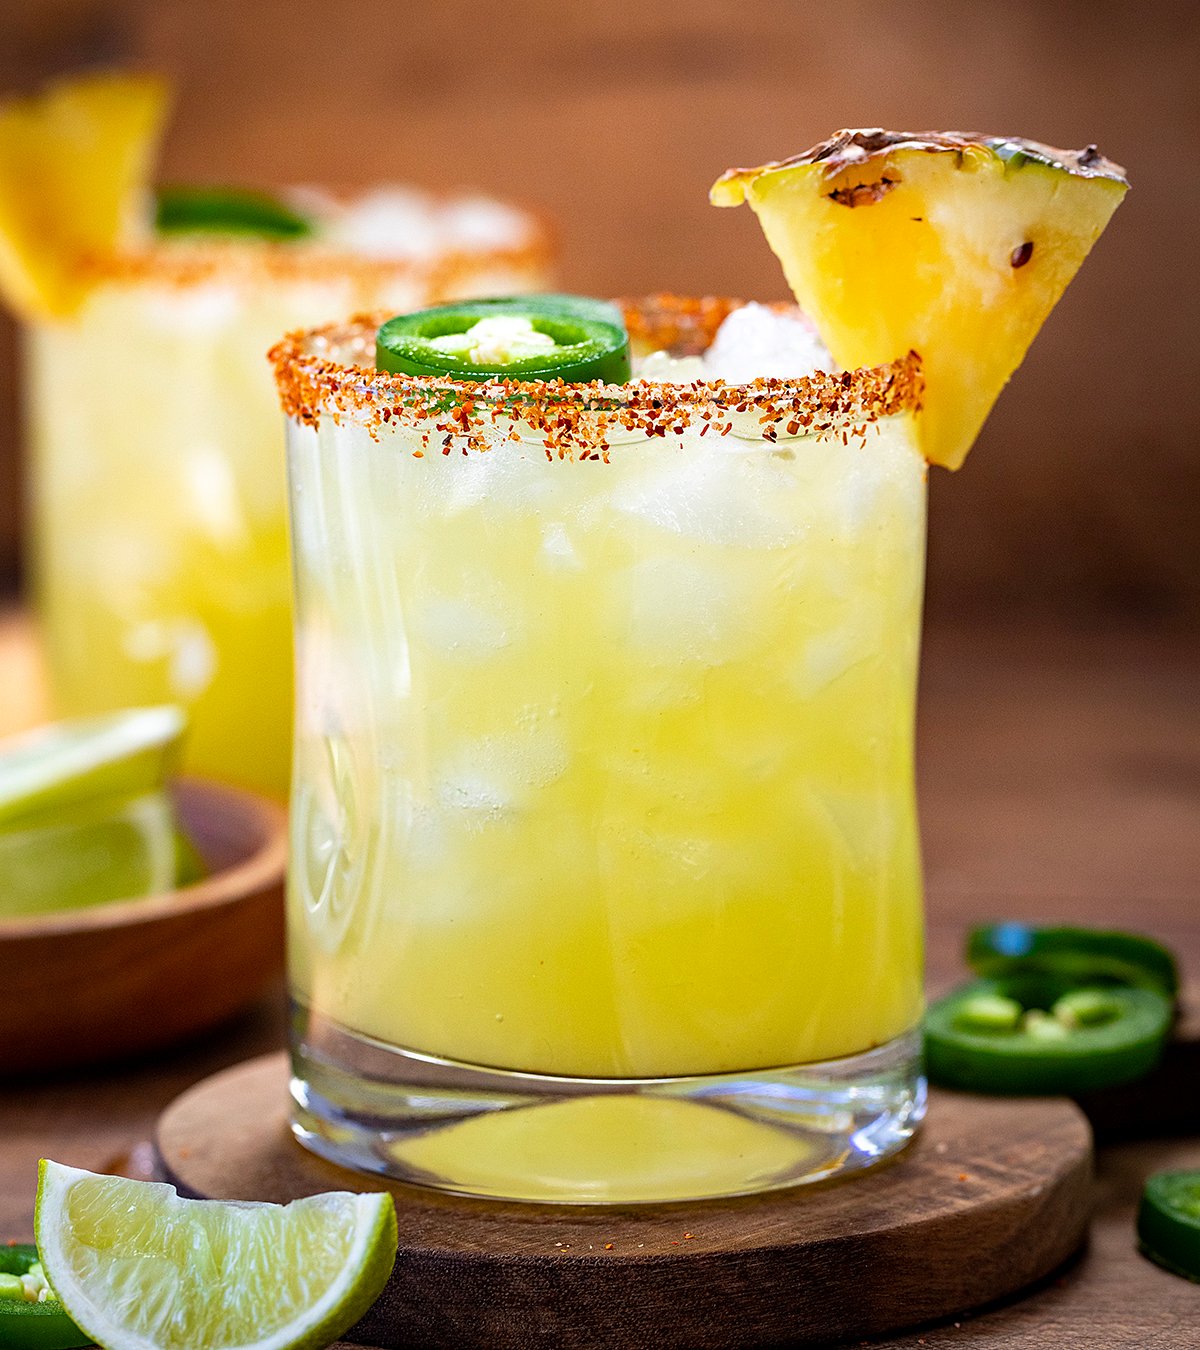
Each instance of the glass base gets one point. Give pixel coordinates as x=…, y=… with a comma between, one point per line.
x=596, y=1141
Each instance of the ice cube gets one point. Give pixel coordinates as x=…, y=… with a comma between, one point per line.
x=462, y=627
x=663, y=368
x=482, y=223
x=467, y=789
x=757, y=341
x=496, y=774
x=213, y=494
x=193, y=659
x=391, y=222
x=201, y=310
x=865, y=823
x=558, y=553
x=506, y=477
x=425, y=838
x=683, y=610
x=826, y=658
x=707, y=492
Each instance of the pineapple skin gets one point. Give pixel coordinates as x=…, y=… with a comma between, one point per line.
x=954, y=245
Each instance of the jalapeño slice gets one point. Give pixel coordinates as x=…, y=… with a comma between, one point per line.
x=238, y=211
x=25, y=1325
x=1035, y=1034
x=530, y=337
x=1083, y=955
x=1168, y=1222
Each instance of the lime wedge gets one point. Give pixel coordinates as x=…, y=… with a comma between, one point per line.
x=120, y=754
x=139, y=1268
x=111, y=849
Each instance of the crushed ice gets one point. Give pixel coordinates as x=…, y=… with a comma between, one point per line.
x=755, y=341
x=399, y=222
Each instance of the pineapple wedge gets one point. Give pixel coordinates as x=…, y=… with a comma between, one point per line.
x=952, y=244
x=75, y=164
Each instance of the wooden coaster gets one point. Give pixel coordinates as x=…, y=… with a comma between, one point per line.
x=992, y=1196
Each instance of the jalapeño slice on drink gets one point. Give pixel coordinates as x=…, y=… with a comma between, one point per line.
x=1042, y=1035
x=226, y=210
x=25, y=1323
x=1084, y=955
x=1168, y=1223
x=531, y=337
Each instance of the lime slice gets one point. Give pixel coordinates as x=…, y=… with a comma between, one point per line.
x=88, y=855
x=139, y=1268
x=119, y=754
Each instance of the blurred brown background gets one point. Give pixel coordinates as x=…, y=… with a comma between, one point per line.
x=1084, y=492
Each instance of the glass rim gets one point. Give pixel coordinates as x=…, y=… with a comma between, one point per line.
x=315, y=380
x=188, y=261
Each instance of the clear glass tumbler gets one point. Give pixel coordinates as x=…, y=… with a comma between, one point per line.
x=159, y=516
x=605, y=880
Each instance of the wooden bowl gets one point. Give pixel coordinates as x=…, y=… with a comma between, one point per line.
x=114, y=980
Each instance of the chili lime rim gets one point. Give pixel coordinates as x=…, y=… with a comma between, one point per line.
x=329, y=371
x=184, y=261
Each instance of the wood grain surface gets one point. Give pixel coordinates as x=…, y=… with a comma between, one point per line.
x=1060, y=780
x=615, y=118
x=1007, y=1181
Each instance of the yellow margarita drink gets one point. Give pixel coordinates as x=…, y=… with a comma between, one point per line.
x=159, y=518
x=604, y=874
x=159, y=521
x=604, y=746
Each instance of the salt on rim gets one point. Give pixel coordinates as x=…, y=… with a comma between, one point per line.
x=329, y=371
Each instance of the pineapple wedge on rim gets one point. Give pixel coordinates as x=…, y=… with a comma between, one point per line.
x=75, y=164
x=951, y=244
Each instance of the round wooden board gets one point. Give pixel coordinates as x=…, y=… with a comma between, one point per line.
x=992, y=1196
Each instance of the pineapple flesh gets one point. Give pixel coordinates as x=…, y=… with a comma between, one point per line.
x=75, y=164
x=954, y=245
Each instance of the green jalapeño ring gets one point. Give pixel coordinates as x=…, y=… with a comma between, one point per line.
x=604, y=881
x=228, y=212
x=557, y=337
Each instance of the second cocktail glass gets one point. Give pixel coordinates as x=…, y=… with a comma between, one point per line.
x=160, y=549
x=605, y=876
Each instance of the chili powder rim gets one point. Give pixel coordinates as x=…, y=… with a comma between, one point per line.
x=581, y=421
x=187, y=261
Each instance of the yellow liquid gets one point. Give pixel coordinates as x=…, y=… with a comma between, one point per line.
x=161, y=562
x=606, y=769
x=612, y=1150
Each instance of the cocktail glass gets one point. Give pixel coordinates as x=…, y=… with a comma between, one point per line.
x=605, y=879
x=159, y=521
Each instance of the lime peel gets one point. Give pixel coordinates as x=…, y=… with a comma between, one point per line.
x=136, y=1266
x=123, y=753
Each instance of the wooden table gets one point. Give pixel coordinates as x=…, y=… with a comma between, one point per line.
x=1060, y=779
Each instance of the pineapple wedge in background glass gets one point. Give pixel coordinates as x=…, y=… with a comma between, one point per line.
x=74, y=167
x=957, y=246
x=158, y=516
